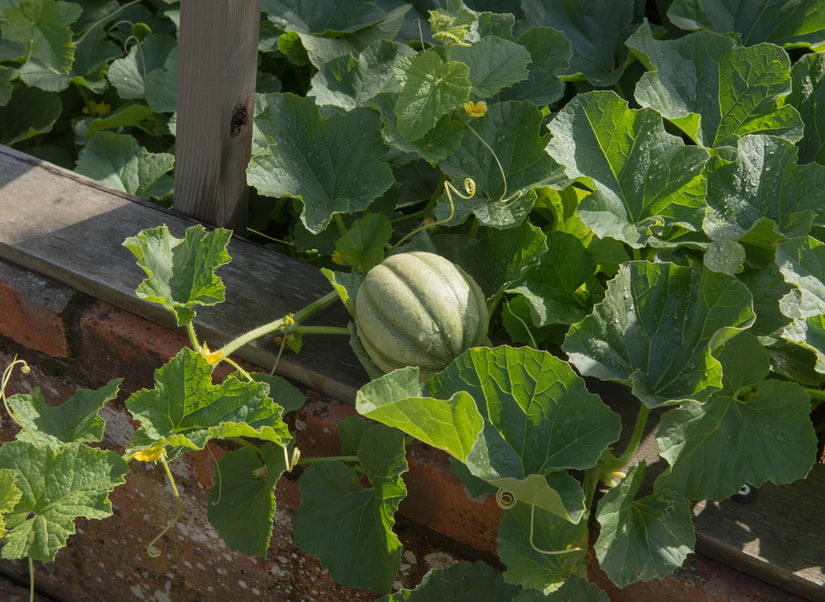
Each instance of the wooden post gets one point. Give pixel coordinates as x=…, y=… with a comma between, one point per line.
x=217, y=64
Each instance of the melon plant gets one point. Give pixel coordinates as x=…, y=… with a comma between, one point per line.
x=419, y=309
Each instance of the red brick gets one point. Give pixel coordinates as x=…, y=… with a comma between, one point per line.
x=32, y=309
x=119, y=344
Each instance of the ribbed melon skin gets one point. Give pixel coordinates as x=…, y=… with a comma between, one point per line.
x=419, y=309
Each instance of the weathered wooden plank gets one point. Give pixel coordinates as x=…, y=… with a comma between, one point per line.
x=779, y=536
x=70, y=228
x=217, y=66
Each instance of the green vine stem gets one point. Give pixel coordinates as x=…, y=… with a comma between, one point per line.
x=276, y=325
x=328, y=459
x=632, y=446
x=469, y=189
x=817, y=396
x=151, y=550
x=4, y=380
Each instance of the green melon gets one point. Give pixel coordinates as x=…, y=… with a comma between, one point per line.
x=419, y=309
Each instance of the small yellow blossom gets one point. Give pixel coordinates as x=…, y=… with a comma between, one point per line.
x=212, y=357
x=476, y=109
x=337, y=258
x=153, y=454
x=97, y=109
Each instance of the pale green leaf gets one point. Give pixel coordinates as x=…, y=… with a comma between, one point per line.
x=646, y=182
x=430, y=89
x=181, y=272
x=44, y=26
x=58, y=485
x=76, y=420
x=495, y=63
x=186, y=410
x=452, y=425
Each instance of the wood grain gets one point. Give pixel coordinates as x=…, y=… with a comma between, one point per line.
x=71, y=228
x=217, y=67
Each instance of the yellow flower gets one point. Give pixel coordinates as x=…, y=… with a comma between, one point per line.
x=152, y=454
x=212, y=357
x=476, y=109
x=337, y=258
x=98, y=109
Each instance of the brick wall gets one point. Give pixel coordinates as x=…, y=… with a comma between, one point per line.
x=72, y=340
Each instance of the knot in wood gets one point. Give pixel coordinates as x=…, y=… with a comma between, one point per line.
x=239, y=118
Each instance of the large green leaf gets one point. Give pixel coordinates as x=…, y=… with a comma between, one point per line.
x=10, y=494
x=452, y=425
x=495, y=257
x=764, y=182
x=801, y=262
x=597, y=30
x=330, y=165
x=555, y=287
x=242, y=500
x=439, y=142
x=495, y=63
x=350, y=81
x=526, y=532
x=185, y=409
x=430, y=89
x=181, y=272
x=808, y=96
x=538, y=418
x=76, y=420
x=43, y=25
x=714, y=90
x=645, y=538
x=349, y=526
x=550, y=54
x=59, y=484
x=117, y=160
x=128, y=74
x=513, y=131
x=790, y=24
x=654, y=330
x=646, y=181
x=753, y=431
x=324, y=16
x=29, y=112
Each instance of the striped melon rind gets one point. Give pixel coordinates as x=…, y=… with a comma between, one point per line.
x=419, y=309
